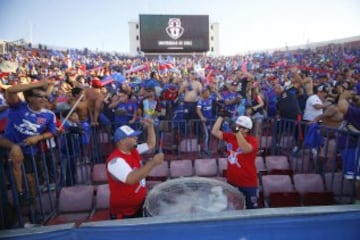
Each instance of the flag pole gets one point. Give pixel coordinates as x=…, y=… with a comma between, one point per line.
x=71, y=110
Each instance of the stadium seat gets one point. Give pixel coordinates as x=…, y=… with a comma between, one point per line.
x=45, y=203
x=276, y=162
x=181, y=168
x=206, y=167
x=222, y=165
x=189, y=145
x=301, y=163
x=312, y=189
x=75, y=205
x=157, y=175
x=265, y=142
x=341, y=187
x=160, y=172
x=102, y=203
x=278, y=165
x=83, y=174
x=260, y=165
x=260, y=168
x=286, y=142
x=99, y=174
x=308, y=182
x=327, y=156
x=279, y=191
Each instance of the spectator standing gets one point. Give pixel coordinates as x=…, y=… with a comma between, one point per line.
x=29, y=123
x=125, y=172
x=191, y=89
x=315, y=104
x=205, y=112
x=241, y=153
x=125, y=110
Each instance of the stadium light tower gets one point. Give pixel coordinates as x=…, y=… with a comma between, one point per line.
x=30, y=31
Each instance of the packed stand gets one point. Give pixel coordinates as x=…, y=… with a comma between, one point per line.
x=59, y=112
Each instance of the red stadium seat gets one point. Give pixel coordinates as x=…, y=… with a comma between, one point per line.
x=83, y=174
x=312, y=189
x=279, y=191
x=284, y=199
x=222, y=166
x=99, y=174
x=277, y=162
x=157, y=175
x=181, y=168
x=260, y=165
x=75, y=205
x=278, y=165
x=102, y=203
x=206, y=167
x=342, y=188
x=189, y=145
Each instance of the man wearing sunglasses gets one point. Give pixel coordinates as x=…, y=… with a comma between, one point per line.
x=29, y=123
x=241, y=153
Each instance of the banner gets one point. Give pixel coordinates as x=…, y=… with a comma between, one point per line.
x=9, y=67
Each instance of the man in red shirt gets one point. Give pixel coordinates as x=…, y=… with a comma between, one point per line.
x=125, y=172
x=241, y=153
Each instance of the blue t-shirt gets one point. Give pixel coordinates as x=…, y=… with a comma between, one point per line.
x=24, y=122
x=230, y=96
x=129, y=109
x=150, y=83
x=205, y=106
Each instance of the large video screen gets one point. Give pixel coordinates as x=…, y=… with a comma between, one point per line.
x=174, y=33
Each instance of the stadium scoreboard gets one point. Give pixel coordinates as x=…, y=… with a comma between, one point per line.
x=174, y=33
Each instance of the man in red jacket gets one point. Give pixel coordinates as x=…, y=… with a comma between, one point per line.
x=241, y=153
x=125, y=172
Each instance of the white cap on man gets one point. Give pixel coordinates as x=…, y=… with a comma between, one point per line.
x=244, y=121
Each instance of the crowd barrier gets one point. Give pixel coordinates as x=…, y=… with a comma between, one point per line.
x=69, y=159
x=321, y=222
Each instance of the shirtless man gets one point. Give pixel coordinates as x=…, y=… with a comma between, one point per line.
x=332, y=117
x=82, y=107
x=191, y=89
x=95, y=98
x=90, y=106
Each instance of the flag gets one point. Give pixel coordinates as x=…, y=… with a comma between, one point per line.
x=165, y=66
x=349, y=58
x=138, y=68
x=118, y=77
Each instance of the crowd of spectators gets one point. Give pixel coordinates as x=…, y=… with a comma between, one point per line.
x=301, y=85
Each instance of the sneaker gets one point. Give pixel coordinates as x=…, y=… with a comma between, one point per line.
x=43, y=188
x=295, y=149
x=31, y=225
x=314, y=152
x=52, y=186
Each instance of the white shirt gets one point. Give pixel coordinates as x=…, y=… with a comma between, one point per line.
x=310, y=112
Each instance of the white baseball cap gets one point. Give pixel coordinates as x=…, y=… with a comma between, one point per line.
x=244, y=121
x=125, y=131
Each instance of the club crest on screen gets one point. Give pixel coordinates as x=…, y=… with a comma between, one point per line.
x=174, y=28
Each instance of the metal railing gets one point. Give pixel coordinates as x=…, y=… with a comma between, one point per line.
x=68, y=159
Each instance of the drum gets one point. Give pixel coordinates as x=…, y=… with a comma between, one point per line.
x=192, y=196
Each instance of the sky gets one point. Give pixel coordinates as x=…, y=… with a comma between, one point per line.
x=244, y=25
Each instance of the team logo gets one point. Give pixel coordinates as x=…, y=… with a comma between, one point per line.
x=174, y=28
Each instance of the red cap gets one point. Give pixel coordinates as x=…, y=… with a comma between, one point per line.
x=95, y=82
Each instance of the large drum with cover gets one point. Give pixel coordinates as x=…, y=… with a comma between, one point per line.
x=192, y=196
